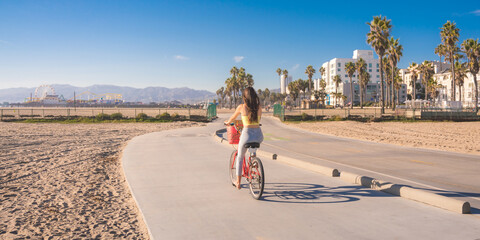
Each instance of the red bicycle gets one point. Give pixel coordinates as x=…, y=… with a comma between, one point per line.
x=252, y=169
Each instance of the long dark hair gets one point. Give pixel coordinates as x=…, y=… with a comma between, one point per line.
x=252, y=103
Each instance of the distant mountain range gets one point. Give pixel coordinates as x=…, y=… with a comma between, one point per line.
x=130, y=94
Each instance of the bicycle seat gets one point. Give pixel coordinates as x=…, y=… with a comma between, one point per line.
x=252, y=145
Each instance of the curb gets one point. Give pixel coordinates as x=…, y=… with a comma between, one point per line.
x=408, y=192
x=403, y=191
x=331, y=172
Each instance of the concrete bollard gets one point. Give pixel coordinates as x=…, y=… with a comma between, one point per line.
x=418, y=195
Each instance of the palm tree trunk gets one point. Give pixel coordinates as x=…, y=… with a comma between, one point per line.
x=453, y=76
x=476, y=91
x=398, y=96
x=336, y=91
x=387, y=95
x=381, y=85
x=361, y=96
x=351, y=92
x=426, y=91
x=414, y=97
x=460, y=93
x=393, y=88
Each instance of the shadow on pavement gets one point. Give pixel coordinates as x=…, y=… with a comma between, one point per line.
x=315, y=193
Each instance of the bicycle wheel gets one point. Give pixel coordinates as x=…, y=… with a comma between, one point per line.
x=257, y=178
x=233, y=167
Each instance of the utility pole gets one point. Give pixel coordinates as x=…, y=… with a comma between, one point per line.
x=74, y=101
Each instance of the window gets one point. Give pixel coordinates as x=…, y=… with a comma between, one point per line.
x=369, y=65
x=377, y=69
x=339, y=69
x=377, y=65
x=339, y=64
x=353, y=75
x=370, y=70
x=378, y=76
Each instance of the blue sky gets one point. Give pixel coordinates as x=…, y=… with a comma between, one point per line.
x=195, y=43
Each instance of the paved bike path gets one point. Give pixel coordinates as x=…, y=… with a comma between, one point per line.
x=446, y=173
x=180, y=181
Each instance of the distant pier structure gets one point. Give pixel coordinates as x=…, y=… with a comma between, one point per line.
x=45, y=95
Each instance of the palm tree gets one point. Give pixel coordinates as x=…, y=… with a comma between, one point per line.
x=449, y=34
x=267, y=94
x=321, y=71
x=471, y=48
x=302, y=86
x=361, y=66
x=398, y=85
x=386, y=70
x=365, y=80
x=337, y=80
x=229, y=90
x=285, y=72
x=220, y=93
x=395, y=52
x=242, y=80
x=350, y=70
x=279, y=72
x=426, y=69
x=344, y=98
x=413, y=68
x=310, y=71
x=378, y=39
x=323, y=84
x=440, y=51
x=294, y=89
x=261, y=96
x=433, y=86
x=249, y=80
x=461, y=70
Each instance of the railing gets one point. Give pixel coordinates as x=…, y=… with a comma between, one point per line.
x=50, y=113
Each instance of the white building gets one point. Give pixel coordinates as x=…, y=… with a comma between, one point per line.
x=336, y=66
x=442, y=75
x=467, y=90
x=284, y=84
x=406, y=76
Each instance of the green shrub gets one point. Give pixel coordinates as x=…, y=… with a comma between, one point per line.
x=175, y=116
x=163, y=116
x=306, y=117
x=142, y=116
x=116, y=116
x=336, y=118
x=102, y=116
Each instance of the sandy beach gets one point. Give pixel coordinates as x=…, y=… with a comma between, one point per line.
x=462, y=137
x=65, y=180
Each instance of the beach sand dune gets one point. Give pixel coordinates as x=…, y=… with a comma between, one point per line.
x=462, y=137
x=66, y=181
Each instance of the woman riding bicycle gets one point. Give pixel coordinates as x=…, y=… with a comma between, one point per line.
x=251, y=113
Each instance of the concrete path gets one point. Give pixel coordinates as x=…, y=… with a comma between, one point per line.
x=181, y=183
x=446, y=173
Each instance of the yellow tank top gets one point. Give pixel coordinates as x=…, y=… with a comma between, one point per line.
x=247, y=123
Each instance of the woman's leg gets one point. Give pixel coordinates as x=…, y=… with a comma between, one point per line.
x=240, y=156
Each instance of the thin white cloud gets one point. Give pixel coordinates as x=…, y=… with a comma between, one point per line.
x=238, y=59
x=295, y=67
x=180, y=57
x=476, y=12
